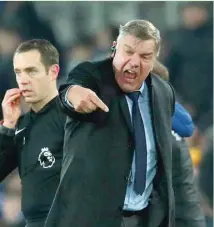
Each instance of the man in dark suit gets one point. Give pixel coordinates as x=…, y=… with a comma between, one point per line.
x=118, y=144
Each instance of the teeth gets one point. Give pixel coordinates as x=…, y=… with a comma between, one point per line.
x=130, y=71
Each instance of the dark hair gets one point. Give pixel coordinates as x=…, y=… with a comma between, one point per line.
x=49, y=53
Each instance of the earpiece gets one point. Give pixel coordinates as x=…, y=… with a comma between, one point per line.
x=113, y=49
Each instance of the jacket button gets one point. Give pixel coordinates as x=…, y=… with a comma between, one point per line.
x=120, y=208
x=129, y=144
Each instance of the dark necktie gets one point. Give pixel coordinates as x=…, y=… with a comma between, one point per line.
x=140, y=145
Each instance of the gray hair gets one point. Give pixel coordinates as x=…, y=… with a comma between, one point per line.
x=143, y=30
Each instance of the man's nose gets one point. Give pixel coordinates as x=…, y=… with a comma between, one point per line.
x=23, y=82
x=135, y=61
x=23, y=79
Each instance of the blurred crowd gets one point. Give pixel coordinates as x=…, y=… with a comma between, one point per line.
x=82, y=31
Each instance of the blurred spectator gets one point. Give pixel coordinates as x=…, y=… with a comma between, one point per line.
x=2, y=194
x=10, y=200
x=22, y=16
x=9, y=40
x=11, y=209
x=104, y=40
x=81, y=50
x=190, y=62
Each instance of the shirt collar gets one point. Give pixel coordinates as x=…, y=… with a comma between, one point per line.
x=142, y=88
x=45, y=107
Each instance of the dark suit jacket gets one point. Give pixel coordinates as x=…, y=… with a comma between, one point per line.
x=99, y=150
x=188, y=212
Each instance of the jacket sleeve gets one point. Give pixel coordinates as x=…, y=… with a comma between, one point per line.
x=83, y=75
x=172, y=99
x=8, y=152
x=188, y=211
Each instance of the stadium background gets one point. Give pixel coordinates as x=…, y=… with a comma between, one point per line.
x=85, y=30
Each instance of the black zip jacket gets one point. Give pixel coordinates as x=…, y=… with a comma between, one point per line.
x=36, y=148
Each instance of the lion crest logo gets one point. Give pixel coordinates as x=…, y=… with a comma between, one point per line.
x=46, y=158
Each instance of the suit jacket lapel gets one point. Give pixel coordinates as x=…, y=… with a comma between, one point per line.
x=156, y=100
x=125, y=111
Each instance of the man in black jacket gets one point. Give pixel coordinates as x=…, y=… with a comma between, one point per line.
x=97, y=187
x=190, y=58
x=33, y=142
x=113, y=169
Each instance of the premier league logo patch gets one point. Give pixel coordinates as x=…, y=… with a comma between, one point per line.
x=46, y=158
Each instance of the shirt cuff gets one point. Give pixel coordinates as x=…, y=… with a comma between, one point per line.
x=7, y=131
x=66, y=95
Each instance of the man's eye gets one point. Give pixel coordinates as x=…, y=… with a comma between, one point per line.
x=32, y=73
x=129, y=52
x=147, y=57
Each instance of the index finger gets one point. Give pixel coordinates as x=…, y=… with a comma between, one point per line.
x=99, y=103
x=12, y=91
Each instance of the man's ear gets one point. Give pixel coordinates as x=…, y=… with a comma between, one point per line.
x=54, y=71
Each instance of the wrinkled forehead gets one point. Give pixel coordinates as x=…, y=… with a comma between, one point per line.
x=136, y=44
